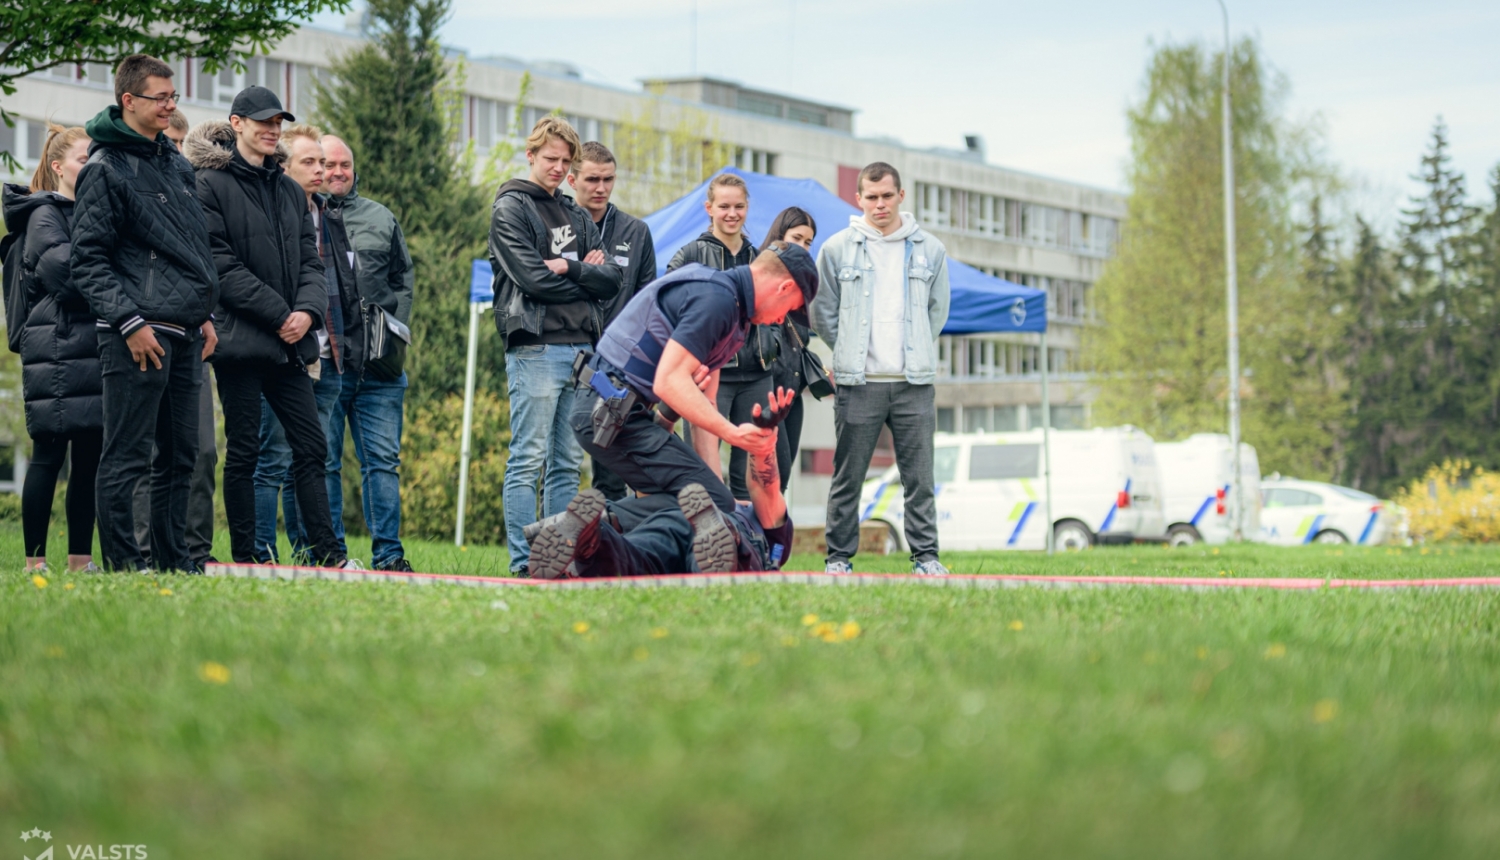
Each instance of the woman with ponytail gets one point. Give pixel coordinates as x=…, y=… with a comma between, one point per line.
x=60, y=375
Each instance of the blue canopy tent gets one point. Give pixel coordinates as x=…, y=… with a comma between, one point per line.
x=980, y=303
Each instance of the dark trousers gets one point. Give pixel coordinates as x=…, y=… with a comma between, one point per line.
x=646, y=456
x=47, y=455
x=789, y=440
x=607, y=482
x=289, y=392
x=859, y=413
x=200, y=515
x=736, y=400
x=142, y=406
x=662, y=543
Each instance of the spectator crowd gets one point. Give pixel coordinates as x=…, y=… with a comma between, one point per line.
x=145, y=252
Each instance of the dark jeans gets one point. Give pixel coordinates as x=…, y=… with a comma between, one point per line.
x=859, y=413
x=789, y=440
x=47, y=455
x=646, y=456
x=273, y=475
x=662, y=543
x=141, y=406
x=736, y=399
x=289, y=391
x=200, y=514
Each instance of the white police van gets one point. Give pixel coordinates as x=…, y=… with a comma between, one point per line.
x=1197, y=479
x=991, y=493
x=1302, y=512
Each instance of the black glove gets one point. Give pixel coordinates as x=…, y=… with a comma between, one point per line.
x=766, y=417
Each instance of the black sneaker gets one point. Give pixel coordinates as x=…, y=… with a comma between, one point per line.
x=715, y=545
x=400, y=565
x=577, y=533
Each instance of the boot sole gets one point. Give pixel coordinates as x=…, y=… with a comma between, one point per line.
x=556, y=546
x=714, y=543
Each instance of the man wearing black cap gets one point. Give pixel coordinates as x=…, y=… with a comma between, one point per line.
x=666, y=347
x=272, y=295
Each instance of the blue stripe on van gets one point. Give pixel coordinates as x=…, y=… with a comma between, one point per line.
x=1202, y=509
x=1109, y=518
x=1015, y=534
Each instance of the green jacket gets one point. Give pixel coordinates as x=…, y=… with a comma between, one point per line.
x=383, y=270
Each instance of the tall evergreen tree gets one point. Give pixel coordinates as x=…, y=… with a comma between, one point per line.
x=1379, y=390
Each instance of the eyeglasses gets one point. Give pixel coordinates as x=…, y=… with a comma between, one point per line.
x=174, y=98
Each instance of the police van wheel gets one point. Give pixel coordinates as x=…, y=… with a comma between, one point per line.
x=1071, y=535
x=1331, y=536
x=1180, y=535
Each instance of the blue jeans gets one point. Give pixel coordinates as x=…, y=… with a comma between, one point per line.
x=540, y=381
x=273, y=475
x=374, y=411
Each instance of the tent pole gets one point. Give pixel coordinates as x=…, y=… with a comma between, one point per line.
x=1047, y=441
x=468, y=431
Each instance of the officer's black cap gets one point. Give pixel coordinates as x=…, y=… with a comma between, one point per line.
x=799, y=264
x=258, y=103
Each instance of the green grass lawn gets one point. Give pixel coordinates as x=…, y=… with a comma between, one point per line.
x=220, y=718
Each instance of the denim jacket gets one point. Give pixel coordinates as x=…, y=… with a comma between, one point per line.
x=842, y=309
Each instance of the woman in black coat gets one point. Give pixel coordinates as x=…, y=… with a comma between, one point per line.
x=60, y=377
x=794, y=226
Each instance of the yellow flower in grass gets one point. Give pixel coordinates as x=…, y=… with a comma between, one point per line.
x=214, y=673
x=1275, y=651
x=580, y=627
x=39, y=581
x=659, y=633
x=68, y=587
x=1325, y=711
x=751, y=659
x=641, y=654
x=165, y=592
x=849, y=629
x=1018, y=625
x=789, y=641
x=809, y=620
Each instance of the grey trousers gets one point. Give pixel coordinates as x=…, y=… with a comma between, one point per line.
x=200, y=513
x=859, y=413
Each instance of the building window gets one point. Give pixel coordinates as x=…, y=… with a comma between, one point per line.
x=1006, y=419
x=806, y=115
x=945, y=419
x=759, y=105
x=755, y=160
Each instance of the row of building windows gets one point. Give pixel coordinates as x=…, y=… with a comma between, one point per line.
x=292, y=82
x=948, y=208
x=1066, y=299
x=1009, y=419
x=986, y=357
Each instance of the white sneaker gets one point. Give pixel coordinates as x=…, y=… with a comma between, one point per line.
x=838, y=567
x=931, y=567
x=351, y=564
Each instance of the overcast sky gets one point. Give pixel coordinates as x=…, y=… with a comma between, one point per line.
x=1046, y=83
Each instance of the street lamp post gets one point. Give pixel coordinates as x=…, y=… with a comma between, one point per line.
x=1234, y=295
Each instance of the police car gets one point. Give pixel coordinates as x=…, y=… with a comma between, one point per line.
x=991, y=493
x=1297, y=512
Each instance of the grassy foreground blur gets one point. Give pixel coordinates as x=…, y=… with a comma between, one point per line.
x=244, y=719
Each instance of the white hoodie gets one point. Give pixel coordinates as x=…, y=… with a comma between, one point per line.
x=886, y=359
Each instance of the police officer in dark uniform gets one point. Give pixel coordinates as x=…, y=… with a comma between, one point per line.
x=666, y=347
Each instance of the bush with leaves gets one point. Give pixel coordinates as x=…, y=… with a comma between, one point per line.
x=430, y=454
x=1454, y=501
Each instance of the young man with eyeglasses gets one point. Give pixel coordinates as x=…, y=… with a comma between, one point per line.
x=141, y=257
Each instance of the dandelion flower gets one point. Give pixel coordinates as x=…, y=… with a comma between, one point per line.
x=39, y=581
x=580, y=627
x=68, y=587
x=659, y=633
x=165, y=592
x=1275, y=651
x=809, y=620
x=849, y=629
x=751, y=659
x=789, y=641
x=641, y=654
x=1018, y=625
x=214, y=673
x=1325, y=711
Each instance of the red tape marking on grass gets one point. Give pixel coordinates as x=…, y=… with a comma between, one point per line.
x=985, y=581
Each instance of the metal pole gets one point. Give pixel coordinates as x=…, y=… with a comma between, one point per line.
x=468, y=431
x=1234, y=293
x=1047, y=443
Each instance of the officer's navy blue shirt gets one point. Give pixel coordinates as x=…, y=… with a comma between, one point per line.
x=703, y=317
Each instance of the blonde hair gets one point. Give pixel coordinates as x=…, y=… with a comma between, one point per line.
x=59, y=141
x=302, y=129
x=178, y=121
x=728, y=180
x=553, y=128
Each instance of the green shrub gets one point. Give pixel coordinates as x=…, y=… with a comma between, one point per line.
x=429, y=469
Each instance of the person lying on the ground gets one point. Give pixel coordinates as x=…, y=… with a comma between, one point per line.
x=659, y=534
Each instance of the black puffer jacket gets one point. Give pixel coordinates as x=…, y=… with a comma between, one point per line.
x=60, y=377
x=755, y=357
x=264, y=248
x=140, y=250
